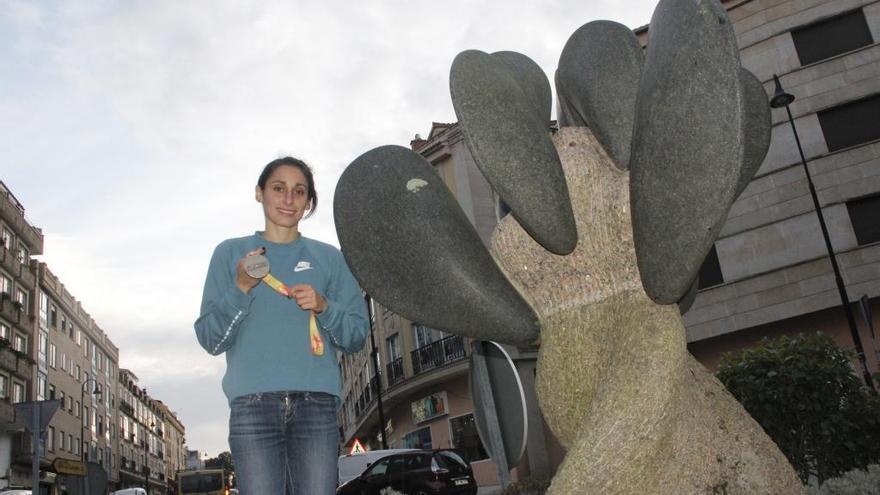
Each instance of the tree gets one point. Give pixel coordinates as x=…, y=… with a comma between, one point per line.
x=222, y=461
x=805, y=393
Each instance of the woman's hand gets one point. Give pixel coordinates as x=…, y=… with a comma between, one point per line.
x=244, y=281
x=307, y=298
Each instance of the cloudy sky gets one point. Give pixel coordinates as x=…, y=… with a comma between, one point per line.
x=133, y=132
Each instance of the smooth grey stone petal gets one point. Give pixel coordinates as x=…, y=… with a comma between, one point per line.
x=532, y=81
x=512, y=148
x=757, y=127
x=597, y=81
x=687, y=143
x=412, y=249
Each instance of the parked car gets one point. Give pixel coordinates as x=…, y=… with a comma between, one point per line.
x=352, y=465
x=420, y=472
x=16, y=491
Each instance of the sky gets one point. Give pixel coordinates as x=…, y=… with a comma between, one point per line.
x=133, y=132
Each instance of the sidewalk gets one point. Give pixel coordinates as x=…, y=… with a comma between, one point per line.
x=489, y=490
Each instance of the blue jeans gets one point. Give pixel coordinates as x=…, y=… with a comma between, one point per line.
x=285, y=443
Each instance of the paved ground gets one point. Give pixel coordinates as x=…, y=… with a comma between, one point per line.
x=489, y=490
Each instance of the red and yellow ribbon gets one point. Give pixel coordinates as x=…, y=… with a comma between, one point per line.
x=316, y=343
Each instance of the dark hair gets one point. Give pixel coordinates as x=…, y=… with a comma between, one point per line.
x=293, y=162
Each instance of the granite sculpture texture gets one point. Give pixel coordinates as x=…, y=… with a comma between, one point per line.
x=611, y=217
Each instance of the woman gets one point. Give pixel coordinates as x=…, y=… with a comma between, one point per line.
x=279, y=334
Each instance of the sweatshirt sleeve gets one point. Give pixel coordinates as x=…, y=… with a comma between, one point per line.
x=345, y=317
x=224, y=305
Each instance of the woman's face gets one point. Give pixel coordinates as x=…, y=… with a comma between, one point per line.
x=285, y=198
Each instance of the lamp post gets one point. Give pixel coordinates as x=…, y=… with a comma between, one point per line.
x=374, y=358
x=82, y=402
x=782, y=99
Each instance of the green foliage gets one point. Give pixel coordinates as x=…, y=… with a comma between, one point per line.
x=222, y=461
x=805, y=394
x=528, y=486
x=855, y=482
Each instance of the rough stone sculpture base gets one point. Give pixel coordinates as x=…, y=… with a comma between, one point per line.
x=637, y=413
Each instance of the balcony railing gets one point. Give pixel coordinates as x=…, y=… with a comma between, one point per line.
x=395, y=371
x=367, y=396
x=437, y=354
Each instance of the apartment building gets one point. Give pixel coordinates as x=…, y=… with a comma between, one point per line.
x=174, y=436
x=142, y=437
x=76, y=364
x=768, y=273
x=19, y=239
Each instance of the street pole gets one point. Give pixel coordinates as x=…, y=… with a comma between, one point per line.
x=783, y=99
x=35, y=439
x=374, y=353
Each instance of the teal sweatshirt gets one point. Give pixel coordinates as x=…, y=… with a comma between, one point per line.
x=265, y=335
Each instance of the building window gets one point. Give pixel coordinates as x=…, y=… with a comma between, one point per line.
x=710, y=273
x=44, y=310
x=6, y=239
x=23, y=253
x=53, y=316
x=43, y=349
x=19, y=343
x=466, y=439
x=53, y=355
x=6, y=285
x=5, y=331
x=865, y=217
x=419, y=439
x=51, y=392
x=831, y=37
x=42, y=386
x=17, y=392
x=62, y=438
x=50, y=437
x=70, y=442
x=4, y=387
x=21, y=297
x=851, y=124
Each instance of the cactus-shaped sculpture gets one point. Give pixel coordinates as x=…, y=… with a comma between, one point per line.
x=611, y=219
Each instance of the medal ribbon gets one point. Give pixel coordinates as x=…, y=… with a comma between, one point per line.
x=315, y=341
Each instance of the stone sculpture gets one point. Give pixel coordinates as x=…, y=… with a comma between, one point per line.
x=610, y=220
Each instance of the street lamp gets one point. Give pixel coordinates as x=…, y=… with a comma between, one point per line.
x=82, y=402
x=782, y=99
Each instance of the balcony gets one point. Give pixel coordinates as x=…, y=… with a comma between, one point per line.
x=395, y=371
x=438, y=354
x=15, y=362
x=367, y=397
x=22, y=272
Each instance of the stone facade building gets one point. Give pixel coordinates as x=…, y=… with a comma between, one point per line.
x=174, y=436
x=142, y=432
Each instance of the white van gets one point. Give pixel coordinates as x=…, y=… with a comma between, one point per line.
x=351, y=466
x=130, y=491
